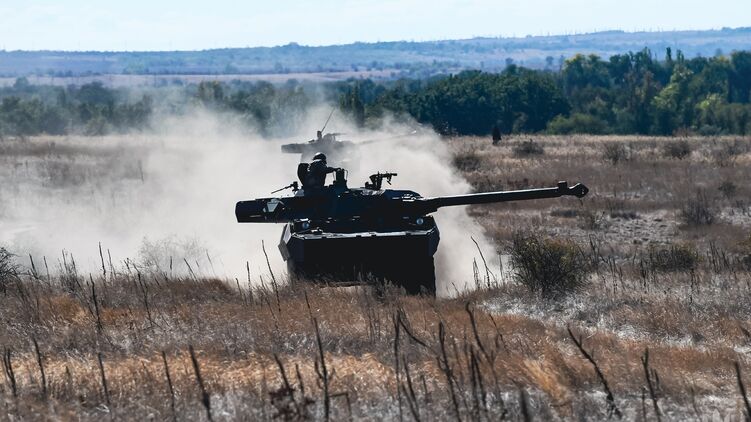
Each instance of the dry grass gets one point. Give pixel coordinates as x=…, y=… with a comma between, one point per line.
x=650, y=184
x=518, y=340
x=682, y=292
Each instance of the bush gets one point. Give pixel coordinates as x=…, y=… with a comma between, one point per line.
x=467, y=160
x=527, y=148
x=564, y=213
x=674, y=258
x=592, y=220
x=728, y=189
x=624, y=214
x=726, y=154
x=549, y=266
x=698, y=211
x=8, y=268
x=577, y=123
x=746, y=245
x=677, y=149
x=615, y=152
x=746, y=253
x=170, y=253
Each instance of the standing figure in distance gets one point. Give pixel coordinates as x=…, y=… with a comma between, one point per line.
x=496, y=135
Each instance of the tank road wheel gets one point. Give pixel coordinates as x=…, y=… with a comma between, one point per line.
x=419, y=276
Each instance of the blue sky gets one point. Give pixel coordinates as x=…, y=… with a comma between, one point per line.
x=188, y=25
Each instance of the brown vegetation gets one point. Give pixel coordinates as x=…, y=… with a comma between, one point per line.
x=655, y=328
x=265, y=354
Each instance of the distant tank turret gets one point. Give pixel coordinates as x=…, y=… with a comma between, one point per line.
x=327, y=144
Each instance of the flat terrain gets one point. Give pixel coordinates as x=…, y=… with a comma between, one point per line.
x=664, y=314
x=124, y=81
x=402, y=58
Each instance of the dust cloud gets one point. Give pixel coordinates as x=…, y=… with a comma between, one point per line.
x=164, y=200
x=424, y=165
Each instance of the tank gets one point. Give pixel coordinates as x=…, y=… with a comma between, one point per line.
x=339, y=234
x=328, y=144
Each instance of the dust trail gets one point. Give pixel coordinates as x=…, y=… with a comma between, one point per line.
x=170, y=194
x=424, y=164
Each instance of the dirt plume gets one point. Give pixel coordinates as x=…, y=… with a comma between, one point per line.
x=164, y=200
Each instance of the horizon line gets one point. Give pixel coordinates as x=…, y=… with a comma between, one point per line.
x=476, y=37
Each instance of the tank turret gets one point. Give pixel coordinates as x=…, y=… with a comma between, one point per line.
x=343, y=234
x=328, y=144
x=325, y=143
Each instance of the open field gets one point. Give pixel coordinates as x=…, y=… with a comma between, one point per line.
x=664, y=315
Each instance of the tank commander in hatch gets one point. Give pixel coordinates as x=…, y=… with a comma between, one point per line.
x=315, y=177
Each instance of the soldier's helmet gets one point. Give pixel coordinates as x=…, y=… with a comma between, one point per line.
x=319, y=156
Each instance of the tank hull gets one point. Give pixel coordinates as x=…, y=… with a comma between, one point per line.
x=402, y=257
x=343, y=234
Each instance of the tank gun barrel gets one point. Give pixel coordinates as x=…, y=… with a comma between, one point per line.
x=346, y=204
x=578, y=190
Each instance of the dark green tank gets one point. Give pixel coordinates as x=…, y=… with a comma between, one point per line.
x=339, y=234
x=328, y=144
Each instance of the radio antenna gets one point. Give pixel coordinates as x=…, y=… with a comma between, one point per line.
x=327, y=120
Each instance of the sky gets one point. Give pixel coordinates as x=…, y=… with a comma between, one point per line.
x=149, y=25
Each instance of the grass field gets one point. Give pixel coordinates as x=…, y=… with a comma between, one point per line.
x=660, y=329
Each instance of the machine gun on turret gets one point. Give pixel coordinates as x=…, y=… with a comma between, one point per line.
x=294, y=186
x=376, y=180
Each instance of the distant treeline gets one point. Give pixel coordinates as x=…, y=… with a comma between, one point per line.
x=391, y=60
x=630, y=93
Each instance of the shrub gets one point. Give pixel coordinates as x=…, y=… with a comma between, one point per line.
x=710, y=130
x=577, y=123
x=8, y=268
x=624, y=214
x=746, y=253
x=527, y=148
x=549, y=266
x=163, y=254
x=746, y=245
x=677, y=149
x=728, y=189
x=746, y=261
x=698, y=211
x=564, y=213
x=592, y=220
x=467, y=160
x=674, y=258
x=615, y=152
x=726, y=154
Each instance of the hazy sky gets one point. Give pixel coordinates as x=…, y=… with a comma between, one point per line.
x=188, y=24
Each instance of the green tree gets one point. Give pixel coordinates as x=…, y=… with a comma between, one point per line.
x=210, y=93
x=740, y=78
x=671, y=105
x=351, y=103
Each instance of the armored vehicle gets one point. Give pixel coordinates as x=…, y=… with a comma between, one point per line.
x=327, y=144
x=341, y=234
